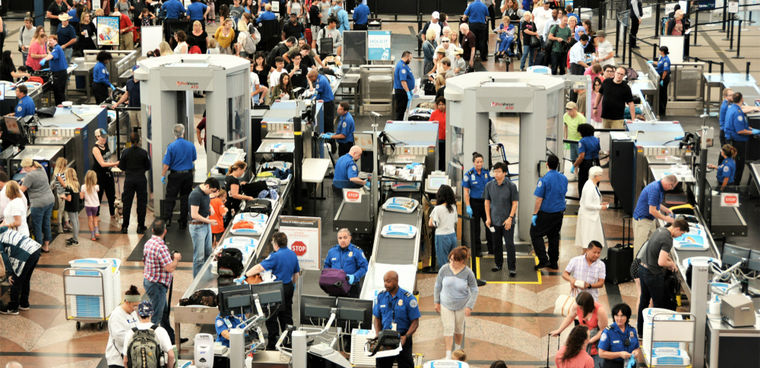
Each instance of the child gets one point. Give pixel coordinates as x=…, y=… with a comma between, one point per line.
x=71, y=196
x=146, y=18
x=506, y=37
x=89, y=193
x=220, y=210
x=459, y=355
x=57, y=185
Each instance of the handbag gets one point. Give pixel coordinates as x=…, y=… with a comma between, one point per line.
x=564, y=305
x=534, y=42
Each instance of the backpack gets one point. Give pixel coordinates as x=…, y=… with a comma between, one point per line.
x=231, y=259
x=144, y=351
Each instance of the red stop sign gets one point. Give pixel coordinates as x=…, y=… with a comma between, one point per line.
x=352, y=195
x=298, y=247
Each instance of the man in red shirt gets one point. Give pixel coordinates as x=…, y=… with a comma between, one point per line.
x=439, y=115
x=126, y=31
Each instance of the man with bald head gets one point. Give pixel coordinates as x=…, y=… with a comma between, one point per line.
x=396, y=309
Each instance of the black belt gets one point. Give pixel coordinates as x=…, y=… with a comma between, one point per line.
x=182, y=171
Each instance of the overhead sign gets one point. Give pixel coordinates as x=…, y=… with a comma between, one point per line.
x=729, y=200
x=378, y=45
x=304, y=238
x=733, y=7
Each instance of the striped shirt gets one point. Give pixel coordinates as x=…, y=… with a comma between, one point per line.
x=16, y=249
x=156, y=257
x=579, y=268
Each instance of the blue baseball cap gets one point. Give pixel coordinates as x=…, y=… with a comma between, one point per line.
x=145, y=309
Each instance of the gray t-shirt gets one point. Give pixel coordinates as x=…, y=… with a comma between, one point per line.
x=38, y=188
x=455, y=292
x=200, y=199
x=501, y=197
x=660, y=240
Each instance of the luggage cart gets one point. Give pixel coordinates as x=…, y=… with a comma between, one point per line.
x=84, y=296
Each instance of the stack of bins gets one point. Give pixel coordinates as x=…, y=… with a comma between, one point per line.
x=88, y=304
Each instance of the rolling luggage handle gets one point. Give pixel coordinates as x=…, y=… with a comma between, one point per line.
x=548, y=347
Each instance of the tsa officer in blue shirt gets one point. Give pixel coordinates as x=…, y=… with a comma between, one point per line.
x=350, y=258
x=346, y=173
x=172, y=9
x=403, y=84
x=727, y=167
x=649, y=207
x=58, y=65
x=396, y=309
x=101, y=79
x=321, y=85
x=197, y=11
x=223, y=326
x=283, y=263
x=619, y=340
x=178, y=159
x=25, y=105
x=588, y=154
x=548, y=213
x=474, y=183
x=361, y=16
x=663, y=69
x=266, y=14
x=728, y=97
x=476, y=15
x=344, y=133
x=738, y=132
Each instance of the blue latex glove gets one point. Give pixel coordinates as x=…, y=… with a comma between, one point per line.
x=678, y=138
x=240, y=280
x=367, y=184
x=469, y=211
x=650, y=61
x=112, y=87
x=662, y=83
x=572, y=169
x=631, y=362
x=242, y=326
x=409, y=96
x=533, y=220
x=755, y=131
x=43, y=62
x=351, y=278
x=163, y=180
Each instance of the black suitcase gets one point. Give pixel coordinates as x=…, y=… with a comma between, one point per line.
x=618, y=264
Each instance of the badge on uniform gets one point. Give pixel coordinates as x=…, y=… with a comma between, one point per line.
x=400, y=302
x=350, y=254
x=413, y=303
x=741, y=118
x=403, y=71
x=344, y=124
x=725, y=169
x=473, y=176
x=353, y=167
x=19, y=108
x=540, y=183
x=219, y=323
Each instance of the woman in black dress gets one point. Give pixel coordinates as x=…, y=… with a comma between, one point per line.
x=102, y=168
x=198, y=37
x=86, y=33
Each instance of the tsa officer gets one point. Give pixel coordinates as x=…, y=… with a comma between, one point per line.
x=224, y=325
x=396, y=309
x=619, y=340
x=403, y=84
x=474, y=183
x=344, y=133
x=738, y=132
x=101, y=80
x=58, y=65
x=178, y=159
x=321, y=86
x=649, y=207
x=548, y=213
x=350, y=258
x=25, y=105
x=727, y=167
x=346, y=173
x=283, y=263
x=663, y=69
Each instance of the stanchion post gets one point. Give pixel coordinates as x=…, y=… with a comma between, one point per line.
x=746, y=72
x=731, y=33
x=696, y=24
x=725, y=9
x=739, y=41
x=709, y=66
x=617, y=37
x=722, y=64
x=654, y=52
x=657, y=20
x=625, y=34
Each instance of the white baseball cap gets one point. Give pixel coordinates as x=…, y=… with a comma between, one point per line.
x=436, y=15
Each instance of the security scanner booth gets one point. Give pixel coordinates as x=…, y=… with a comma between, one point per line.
x=167, y=85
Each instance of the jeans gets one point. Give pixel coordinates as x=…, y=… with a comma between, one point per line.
x=558, y=62
x=41, y=223
x=21, y=283
x=156, y=293
x=527, y=52
x=478, y=217
x=573, y=151
x=443, y=245
x=68, y=52
x=201, y=235
x=505, y=43
x=652, y=287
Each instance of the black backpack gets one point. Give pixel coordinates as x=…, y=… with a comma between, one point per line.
x=144, y=351
x=231, y=259
x=314, y=15
x=263, y=206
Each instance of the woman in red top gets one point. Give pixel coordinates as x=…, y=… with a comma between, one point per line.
x=573, y=354
x=37, y=49
x=439, y=115
x=590, y=314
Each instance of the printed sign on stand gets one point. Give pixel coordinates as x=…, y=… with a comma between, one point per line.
x=304, y=238
x=646, y=12
x=729, y=200
x=108, y=31
x=352, y=195
x=733, y=7
x=378, y=45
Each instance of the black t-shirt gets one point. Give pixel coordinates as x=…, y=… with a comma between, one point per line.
x=615, y=97
x=134, y=162
x=86, y=43
x=530, y=26
x=56, y=9
x=5, y=72
x=468, y=42
x=263, y=76
x=293, y=30
x=299, y=77
x=73, y=204
x=200, y=199
x=232, y=204
x=200, y=41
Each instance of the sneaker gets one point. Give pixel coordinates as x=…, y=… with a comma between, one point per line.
x=495, y=269
x=512, y=273
x=141, y=229
x=74, y=243
x=123, y=230
x=22, y=308
x=7, y=311
x=94, y=238
x=541, y=265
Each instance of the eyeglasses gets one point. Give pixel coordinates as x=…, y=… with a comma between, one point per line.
x=445, y=41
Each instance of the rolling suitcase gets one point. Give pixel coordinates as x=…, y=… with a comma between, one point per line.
x=548, y=347
x=618, y=264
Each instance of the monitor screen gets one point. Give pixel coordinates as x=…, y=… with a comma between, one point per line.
x=268, y=292
x=355, y=47
x=316, y=307
x=754, y=260
x=733, y=254
x=235, y=299
x=11, y=125
x=217, y=145
x=437, y=181
x=355, y=310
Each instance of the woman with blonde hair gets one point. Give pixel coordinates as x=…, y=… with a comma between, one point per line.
x=72, y=206
x=37, y=188
x=15, y=211
x=89, y=192
x=224, y=36
x=57, y=184
x=165, y=48
x=37, y=49
x=428, y=50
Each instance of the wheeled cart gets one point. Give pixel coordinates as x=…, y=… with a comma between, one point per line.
x=91, y=290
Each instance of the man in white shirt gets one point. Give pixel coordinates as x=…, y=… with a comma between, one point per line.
x=586, y=272
x=555, y=20
x=258, y=92
x=605, y=54
x=542, y=15
x=274, y=75
x=144, y=312
x=578, y=56
x=434, y=24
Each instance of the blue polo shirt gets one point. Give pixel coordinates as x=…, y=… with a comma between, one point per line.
x=180, y=155
x=552, y=187
x=736, y=122
x=100, y=74
x=361, y=14
x=477, y=12
x=25, y=107
x=613, y=340
x=726, y=169
x=345, y=169
x=351, y=260
x=589, y=146
x=196, y=10
x=651, y=195
x=266, y=15
x=663, y=65
x=402, y=309
x=324, y=91
x=346, y=127
x=728, y=128
x=475, y=182
x=227, y=323
x=283, y=263
x=172, y=9
x=73, y=14
x=722, y=116
x=527, y=5
x=402, y=72
x=58, y=62
x=66, y=34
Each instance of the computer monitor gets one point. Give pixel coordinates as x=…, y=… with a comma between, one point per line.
x=733, y=254
x=217, y=145
x=235, y=299
x=754, y=260
x=355, y=310
x=11, y=125
x=268, y=292
x=315, y=307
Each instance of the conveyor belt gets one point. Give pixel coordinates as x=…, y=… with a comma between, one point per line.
x=679, y=254
x=396, y=251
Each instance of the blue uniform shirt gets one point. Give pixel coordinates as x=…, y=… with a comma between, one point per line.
x=58, y=63
x=736, y=122
x=552, y=187
x=266, y=15
x=351, y=260
x=66, y=34
x=172, y=9
x=663, y=65
x=527, y=5
x=476, y=182
x=346, y=127
x=345, y=169
x=361, y=14
x=728, y=128
x=323, y=89
x=722, y=116
x=589, y=146
x=651, y=195
x=196, y=10
x=73, y=14
x=100, y=74
x=180, y=155
x=476, y=12
x=402, y=309
x=613, y=340
x=227, y=323
x=402, y=72
x=25, y=107
x=283, y=263
x=726, y=169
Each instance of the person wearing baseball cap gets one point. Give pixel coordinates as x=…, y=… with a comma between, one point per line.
x=459, y=64
x=572, y=119
x=434, y=23
x=144, y=312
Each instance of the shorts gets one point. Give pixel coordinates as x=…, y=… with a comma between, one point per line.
x=613, y=124
x=91, y=211
x=217, y=237
x=453, y=321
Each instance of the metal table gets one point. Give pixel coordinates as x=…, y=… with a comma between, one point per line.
x=84, y=69
x=723, y=81
x=349, y=89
